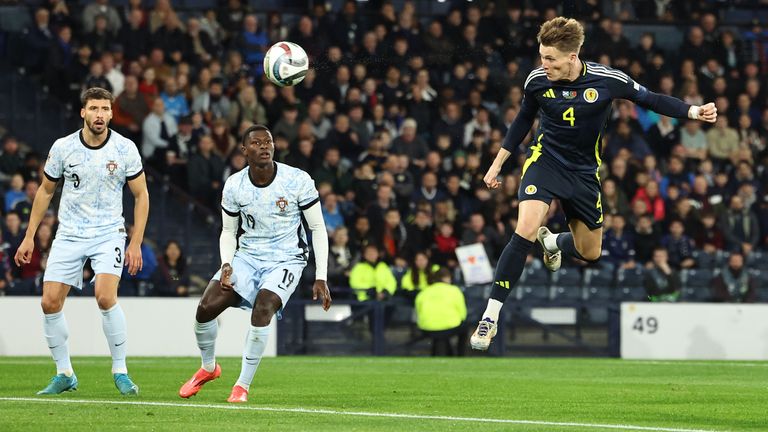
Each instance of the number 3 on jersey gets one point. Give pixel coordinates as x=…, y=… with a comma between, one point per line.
x=569, y=116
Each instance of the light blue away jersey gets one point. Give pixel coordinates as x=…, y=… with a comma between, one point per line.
x=270, y=215
x=92, y=199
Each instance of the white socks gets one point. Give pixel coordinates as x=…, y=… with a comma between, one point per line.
x=493, y=309
x=550, y=242
x=56, y=334
x=206, y=340
x=116, y=331
x=254, y=348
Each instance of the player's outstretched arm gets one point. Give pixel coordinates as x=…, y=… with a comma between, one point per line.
x=626, y=88
x=490, y=178
x=314, y=217
x=133, y=257
x=227, y=248
x=39, y=206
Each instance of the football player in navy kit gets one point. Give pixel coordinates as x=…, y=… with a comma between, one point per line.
x=573, y=99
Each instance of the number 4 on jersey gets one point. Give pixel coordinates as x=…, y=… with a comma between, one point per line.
x=569, y=116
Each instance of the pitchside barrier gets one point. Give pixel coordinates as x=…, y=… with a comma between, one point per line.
x=694, y=331
x=156, y=327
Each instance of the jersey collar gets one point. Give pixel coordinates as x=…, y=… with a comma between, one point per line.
x=274, y=174
x=109, y=135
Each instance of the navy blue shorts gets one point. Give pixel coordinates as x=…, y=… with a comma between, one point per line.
x=544, y=179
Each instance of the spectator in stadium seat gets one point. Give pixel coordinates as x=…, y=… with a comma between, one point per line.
x=15, y=192
x=24, y=208
x=332, y=171
x=252, y=42
x=134, y=37
x=213, y=104
x=158, y=128
x=734, y=284
x=37, y=42
x=199, y=48
x=340, y=259
x=204, y=173
x=171, y=277
x=175, y=102
x=709, y=238
x=722, y=143
x=392, y=235
x=477, y=231
x=130, y=109
x=441, y=311
x=96, y=78
x=371, y=278
x=101, y=8
x=618, y=244
x=445, y=244
x=694, y=140
x=416, y=278
x=676, y=175
x=288, y=125
x=653, y=200
x=679, y=246
x=10, y=160
x=624, y=137
x=740, y=227
x=661, y=281
x=332, y=213
x=224, y=142
x=646, y=238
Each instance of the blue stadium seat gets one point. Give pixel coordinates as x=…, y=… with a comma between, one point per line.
x=629, y=285
x=761, y=276
x=757, y=260
x=533, y=285
x=566, y=284
x=696, y=284
x=708, y=260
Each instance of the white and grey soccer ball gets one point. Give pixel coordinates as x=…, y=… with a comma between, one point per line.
x=286, y=64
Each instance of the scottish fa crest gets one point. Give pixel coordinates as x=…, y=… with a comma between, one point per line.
x=282, y=204
x=111, y=167
x=590, y=95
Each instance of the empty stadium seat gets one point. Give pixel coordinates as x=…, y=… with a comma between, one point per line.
x=696, y=284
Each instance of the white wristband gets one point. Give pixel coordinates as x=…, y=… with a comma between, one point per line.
x=693, y=113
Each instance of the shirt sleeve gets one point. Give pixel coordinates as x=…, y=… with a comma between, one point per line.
x=524, y=120
x=54, y=165
x=133, y=166
x=623, y=87
x=308, y=194
x=228, y=201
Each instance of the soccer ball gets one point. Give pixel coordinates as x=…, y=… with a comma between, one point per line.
x=286, y=64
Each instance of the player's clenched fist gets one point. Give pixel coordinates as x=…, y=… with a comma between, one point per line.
x=491, y=179
x=24, y=252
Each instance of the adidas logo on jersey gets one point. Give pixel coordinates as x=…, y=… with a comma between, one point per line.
x=549, y=94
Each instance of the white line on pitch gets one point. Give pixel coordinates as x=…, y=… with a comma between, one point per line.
x=352, y=413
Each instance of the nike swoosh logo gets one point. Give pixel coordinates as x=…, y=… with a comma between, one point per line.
x=251, y=359
x=120, y=343
x=72, y=166
x=54, y=347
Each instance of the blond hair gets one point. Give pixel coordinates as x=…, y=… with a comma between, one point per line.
x=565, y=34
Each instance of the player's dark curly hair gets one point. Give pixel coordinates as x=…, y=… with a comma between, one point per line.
x=565, y=34
x=256, y=127
x=96, y=93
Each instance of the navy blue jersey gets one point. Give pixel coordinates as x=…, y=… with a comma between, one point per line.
x=573, y=114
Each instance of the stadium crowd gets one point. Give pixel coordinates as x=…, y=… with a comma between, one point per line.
x=400, y=116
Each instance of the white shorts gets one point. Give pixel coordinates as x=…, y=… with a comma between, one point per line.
x=250, y=275
x=67, y=258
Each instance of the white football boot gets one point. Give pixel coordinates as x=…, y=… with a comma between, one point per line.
x=552, y=260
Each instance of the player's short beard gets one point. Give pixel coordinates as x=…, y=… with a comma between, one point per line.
x=93, y=131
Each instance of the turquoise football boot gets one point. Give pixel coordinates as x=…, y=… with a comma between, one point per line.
x=125, y=385
x=59, y=384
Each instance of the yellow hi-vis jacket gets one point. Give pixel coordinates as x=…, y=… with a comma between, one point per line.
x=364, y=276
x=440, y=306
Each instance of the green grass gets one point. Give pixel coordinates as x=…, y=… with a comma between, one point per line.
x=716, y=396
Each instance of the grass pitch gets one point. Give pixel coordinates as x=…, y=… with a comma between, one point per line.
x=397, y=394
